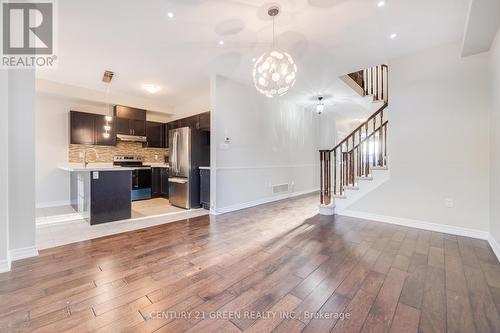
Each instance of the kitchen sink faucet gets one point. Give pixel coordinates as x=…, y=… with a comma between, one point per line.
x=85, y=153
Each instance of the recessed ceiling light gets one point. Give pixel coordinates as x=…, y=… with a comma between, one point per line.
x=393, y=36
x=381, y=4
x=221, y=42
x=254, y=60
x=151, y=88
x=170, y=15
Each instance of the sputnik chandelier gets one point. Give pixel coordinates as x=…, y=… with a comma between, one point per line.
x=274, y=72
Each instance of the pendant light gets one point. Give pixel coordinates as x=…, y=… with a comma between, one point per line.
x=320, y=107
x=108, y=76
x=274, y=72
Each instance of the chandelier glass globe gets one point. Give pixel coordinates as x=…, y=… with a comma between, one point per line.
x=274, y=73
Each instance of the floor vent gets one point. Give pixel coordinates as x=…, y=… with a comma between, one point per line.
x=280, y=188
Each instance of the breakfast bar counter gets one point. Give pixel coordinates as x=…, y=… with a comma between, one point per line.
x=100, y=193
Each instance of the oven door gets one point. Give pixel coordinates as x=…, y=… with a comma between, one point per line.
x=141, y=184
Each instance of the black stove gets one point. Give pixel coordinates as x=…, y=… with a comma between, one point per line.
x=141, y=175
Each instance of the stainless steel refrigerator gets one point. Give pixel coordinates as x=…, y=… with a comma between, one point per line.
x=189, y=149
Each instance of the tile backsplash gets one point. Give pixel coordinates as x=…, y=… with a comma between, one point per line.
x=105, y=153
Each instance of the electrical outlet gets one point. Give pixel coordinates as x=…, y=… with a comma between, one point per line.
x=448, y=202
x=156, y=157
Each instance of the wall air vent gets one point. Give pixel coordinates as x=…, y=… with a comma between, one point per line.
x=108, y=76
x=280, y=188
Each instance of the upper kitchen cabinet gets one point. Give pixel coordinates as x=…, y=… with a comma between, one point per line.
x=81, y=127
x=130, y=121
x=99, y=130
x=200, y=121
x=88, y=129
x=155, y=133
x=204, y=121
x=129, y=113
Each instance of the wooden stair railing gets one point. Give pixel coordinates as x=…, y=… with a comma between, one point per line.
x=365, y=148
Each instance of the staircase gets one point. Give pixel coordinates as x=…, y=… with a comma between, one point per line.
x=358, y=163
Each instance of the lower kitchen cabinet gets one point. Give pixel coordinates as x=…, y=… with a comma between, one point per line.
x=164, y=182
x=159, y=186
x=205, y=188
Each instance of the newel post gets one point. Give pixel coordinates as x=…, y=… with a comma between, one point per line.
x=326, y=206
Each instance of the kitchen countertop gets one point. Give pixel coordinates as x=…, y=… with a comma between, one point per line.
x=158, y=165
x=78, y=167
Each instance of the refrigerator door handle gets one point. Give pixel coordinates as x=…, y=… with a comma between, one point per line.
x=178, y=180
x=175, y=162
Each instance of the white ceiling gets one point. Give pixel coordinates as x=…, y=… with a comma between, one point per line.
x=483, y=22
x=327, y=38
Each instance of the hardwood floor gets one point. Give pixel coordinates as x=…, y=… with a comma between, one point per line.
x=279, y=267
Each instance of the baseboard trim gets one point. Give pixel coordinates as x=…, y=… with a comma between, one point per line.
x=4, y=265
x=53, y=204
x=63, y=218
x=494, y=246
x=447, y=229
x=23, y=253
x=258, y=202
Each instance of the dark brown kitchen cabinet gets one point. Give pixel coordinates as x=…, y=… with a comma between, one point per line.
x=200, y=121
x=130, y=127
x=155, y=182
x=99, y=131
x=130, y=121
x=127, y=112
x=164, y=182
x=81, y=126
x=159, y=186
x=138, y=127
x=204, y=121
x=122, y=126
x=88, y=129
x=155, y=133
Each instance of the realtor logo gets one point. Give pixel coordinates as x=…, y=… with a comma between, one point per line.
x=27, y=34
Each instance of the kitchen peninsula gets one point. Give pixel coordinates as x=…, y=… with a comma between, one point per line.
x=100, y=193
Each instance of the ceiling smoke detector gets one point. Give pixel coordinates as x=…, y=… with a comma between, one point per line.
x=108, y=76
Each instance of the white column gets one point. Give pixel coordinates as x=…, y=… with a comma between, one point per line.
x=21, y=164
x=4, y=173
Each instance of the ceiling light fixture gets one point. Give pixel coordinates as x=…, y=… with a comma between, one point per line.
x=221, y=42
x=274, y=72
x=170, y=15
x=381, y=4
x=151, y=88
x=108, y=76
x=393, y=36
x=320, y=107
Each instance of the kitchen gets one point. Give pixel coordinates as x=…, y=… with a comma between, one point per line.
x=163, y=161
x=124, y=167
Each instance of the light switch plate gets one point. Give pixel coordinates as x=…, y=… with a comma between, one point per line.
x=95, y=175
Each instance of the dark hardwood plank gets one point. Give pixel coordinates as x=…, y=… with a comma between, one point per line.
x=276, y=258
x=405, y=320
x=459, y=313
x=433, y=310
x=380, y=316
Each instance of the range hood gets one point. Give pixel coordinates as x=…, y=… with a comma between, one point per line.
x=131, y=138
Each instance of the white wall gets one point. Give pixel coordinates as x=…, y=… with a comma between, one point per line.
x=271, y=142
x=495, y=141
x=438, y=140
x=52, y=121
x=4, y=172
